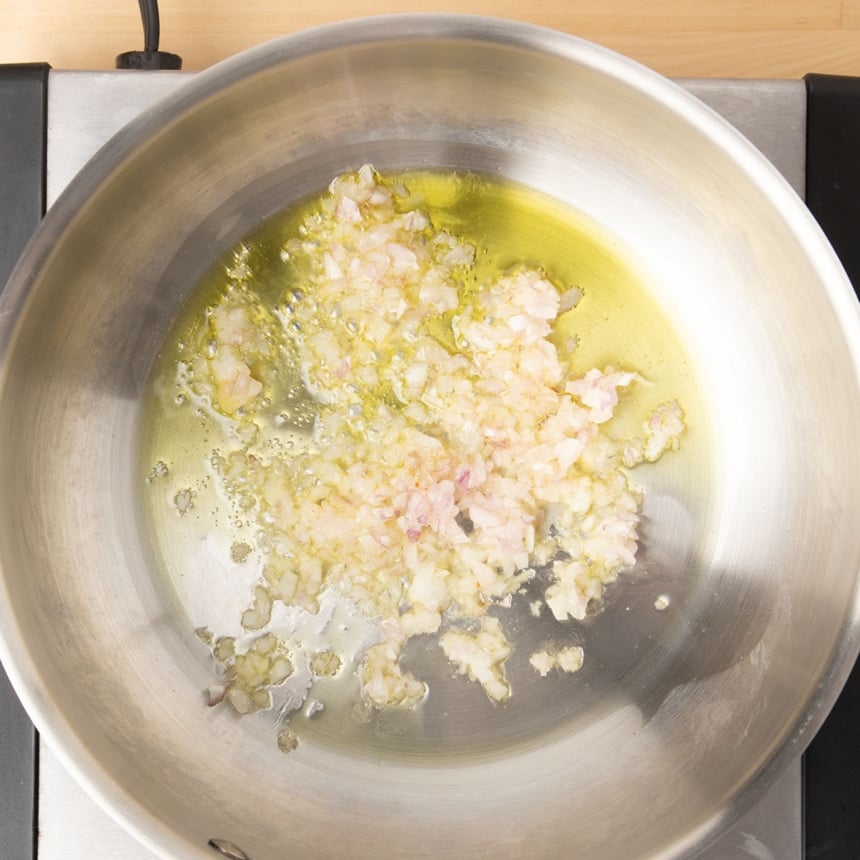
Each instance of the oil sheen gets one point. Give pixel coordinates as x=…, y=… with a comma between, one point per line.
x=206, y=547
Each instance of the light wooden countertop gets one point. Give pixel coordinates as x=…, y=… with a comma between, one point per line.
x=709, y=38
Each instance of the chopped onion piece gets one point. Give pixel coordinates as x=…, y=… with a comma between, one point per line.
x=455, y=448
x=481, y=656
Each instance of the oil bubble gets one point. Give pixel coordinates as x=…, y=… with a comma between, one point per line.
x=183, y=501
x=159, y=470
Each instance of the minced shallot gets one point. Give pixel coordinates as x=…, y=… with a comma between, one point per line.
x=454, y=451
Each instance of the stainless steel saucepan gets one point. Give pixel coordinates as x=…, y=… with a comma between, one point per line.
x=683, y=717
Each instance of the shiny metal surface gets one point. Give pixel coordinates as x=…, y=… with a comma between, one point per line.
x=771, y=114
x=771, y=830
x=753, y=532
x=85, y=109
x=73, y=827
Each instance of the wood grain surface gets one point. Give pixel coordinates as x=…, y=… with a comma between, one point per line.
x=709, y=38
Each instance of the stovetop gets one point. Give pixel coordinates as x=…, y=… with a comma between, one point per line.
x=812, y=811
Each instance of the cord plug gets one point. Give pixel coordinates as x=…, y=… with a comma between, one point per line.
x=150, y=57
x=148, y=60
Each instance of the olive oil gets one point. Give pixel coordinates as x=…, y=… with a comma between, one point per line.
x=195, y=530
x=617, y=322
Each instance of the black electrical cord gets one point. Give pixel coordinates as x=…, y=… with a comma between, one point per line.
x=150, y=57
x=151, y=25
